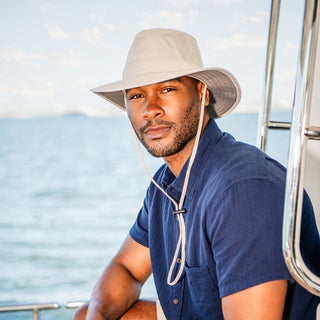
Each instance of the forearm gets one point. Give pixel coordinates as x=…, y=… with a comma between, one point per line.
x=142, y=309
x=116, y=291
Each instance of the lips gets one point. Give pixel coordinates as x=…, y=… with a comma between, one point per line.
x=157, y=131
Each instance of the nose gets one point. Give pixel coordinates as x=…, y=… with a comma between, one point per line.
x=153, y=107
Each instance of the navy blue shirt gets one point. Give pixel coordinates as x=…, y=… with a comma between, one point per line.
x=234, y=209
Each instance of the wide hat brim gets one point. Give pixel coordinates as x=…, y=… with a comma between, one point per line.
x=221, y=83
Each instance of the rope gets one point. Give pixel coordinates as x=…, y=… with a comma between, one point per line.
x=182, y=237
x=181, y=244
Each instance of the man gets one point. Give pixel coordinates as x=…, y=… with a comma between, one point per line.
x=210, y=226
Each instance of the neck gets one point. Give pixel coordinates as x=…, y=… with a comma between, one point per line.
x=176, y=161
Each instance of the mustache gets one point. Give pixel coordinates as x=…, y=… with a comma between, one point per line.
x=155, y=122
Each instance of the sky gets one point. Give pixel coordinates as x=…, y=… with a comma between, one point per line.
x=52, y=52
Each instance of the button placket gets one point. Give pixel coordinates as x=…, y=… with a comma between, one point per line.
x=177, y=298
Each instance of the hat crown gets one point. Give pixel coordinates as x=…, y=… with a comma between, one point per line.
x=162, y=50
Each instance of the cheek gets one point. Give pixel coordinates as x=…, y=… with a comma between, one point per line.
x=177, y=111
x=174, y=107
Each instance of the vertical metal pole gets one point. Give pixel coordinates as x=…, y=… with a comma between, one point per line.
x=295, y=173
x=35, y=314
x=264, y=113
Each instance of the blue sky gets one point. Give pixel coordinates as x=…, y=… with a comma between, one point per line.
x=52, y=52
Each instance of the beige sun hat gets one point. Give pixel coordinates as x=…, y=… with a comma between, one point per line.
x=158, y=55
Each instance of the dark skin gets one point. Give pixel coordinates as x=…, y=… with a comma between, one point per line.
x=157, y=113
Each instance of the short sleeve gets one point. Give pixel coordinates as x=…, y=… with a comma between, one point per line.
x=139, y=231
x=246, y=237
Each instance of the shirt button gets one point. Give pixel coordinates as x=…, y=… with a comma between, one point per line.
x=175, y=301
x=178, y=260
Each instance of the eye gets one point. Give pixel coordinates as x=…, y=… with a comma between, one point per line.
x=135, y=96
x=169, y=89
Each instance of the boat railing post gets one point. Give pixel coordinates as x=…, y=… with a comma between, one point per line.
x=300, y=133
x=75, y=304
x=34, y=307
x=35, y=314
x=264, y=114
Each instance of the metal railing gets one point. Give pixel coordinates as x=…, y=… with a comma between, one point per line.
x=75, y=304
x=264, y=114
x=36, y=307
x=300, y=133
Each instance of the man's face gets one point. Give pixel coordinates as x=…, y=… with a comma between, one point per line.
x=165, y=115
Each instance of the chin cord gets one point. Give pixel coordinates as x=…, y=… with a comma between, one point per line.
x=179, y=211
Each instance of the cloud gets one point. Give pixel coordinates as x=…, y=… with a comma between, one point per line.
x=67, y=59
x=237, y=40
x=248, y=107
x=55, y=31
x=37, y=89
x=286, y=75
x=182, y=3
x=97, y=17
x=100, y=19
x=10, y=54
x=44, y=5
x=193, y=14
x=263, y=13
x=167, y=18
x=93, y=35
x=284, y=84
x=240, y=16
x=31, y=88
x=111, y=26
x=172, y=18
x=225, y=2
x=291, y=45
x=5, y=90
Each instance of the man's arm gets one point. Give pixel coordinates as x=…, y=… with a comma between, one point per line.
x=263, y=302
x=119, y=286
x=142, y=309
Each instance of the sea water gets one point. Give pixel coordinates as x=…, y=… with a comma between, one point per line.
x=70, y=188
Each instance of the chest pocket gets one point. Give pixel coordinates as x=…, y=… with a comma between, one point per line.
x=204, y=294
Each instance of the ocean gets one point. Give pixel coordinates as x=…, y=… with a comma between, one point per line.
x=70, y=188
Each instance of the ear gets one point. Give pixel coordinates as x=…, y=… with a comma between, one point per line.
x=201, y=86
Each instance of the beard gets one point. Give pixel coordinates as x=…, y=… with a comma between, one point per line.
x=183, y=133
